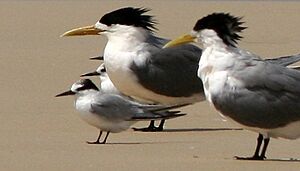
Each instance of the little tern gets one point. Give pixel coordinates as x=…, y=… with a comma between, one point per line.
x=105, y=83
x=139, y=67
x=259, y=95
x=111, y=112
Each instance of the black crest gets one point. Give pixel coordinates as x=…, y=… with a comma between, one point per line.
x=87, y=85
x=130, y=16
x=226, y=26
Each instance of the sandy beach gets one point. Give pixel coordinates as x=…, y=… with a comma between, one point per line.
x=41, y=132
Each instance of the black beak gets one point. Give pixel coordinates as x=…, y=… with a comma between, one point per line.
x=90, y=74
x=97, y=58
x=67, y=93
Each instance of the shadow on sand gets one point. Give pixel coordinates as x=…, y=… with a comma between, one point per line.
x=273, y=160
x=201, y=129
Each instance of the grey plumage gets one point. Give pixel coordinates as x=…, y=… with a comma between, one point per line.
x=285, y=60
x=171, y=72
x=276, y=90
x=113, y=112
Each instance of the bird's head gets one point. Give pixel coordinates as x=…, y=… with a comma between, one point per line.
x=100, y=71
x=118, y=21
x=79, y=86
x=222, y=26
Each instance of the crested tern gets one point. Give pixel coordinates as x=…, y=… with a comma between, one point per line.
x=259, y=95
x=111, y=112
x=139, y=67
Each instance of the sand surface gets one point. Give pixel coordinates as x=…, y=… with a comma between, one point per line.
x=40, y=132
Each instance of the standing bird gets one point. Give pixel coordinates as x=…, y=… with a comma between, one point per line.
x=258, y=95
x=105, y=83
x=139, y=67
x=111, y=112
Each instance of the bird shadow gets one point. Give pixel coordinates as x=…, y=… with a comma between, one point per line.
x=143, y=143
x=201, y=129
x=284, y=160
x=273, y=160
x=125, y=143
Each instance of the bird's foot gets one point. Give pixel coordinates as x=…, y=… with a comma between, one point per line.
x=94, y=142
x=149, y=129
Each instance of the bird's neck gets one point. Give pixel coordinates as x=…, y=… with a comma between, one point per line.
x=209, y=38
x=130, y=39
x=128, y=46
x=217, y=62
x=83, y=99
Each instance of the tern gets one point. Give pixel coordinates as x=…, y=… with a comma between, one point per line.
x=112, y=112
x=139, y=67
x=261, y=96
x=105, y=83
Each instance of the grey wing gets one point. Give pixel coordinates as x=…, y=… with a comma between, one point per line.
x=157, y=112
x=172, y=71
x=270, y=98
x=285, y=60
x=113, y=107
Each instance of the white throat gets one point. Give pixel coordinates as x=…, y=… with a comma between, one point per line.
x=210, y=38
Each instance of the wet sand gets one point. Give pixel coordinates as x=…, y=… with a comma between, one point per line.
x=40, y=132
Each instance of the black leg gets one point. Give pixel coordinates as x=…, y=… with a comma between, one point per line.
x=151, y=125
x=256, y=155
x=104, y=141
x=259, y=142
x=263, y=152
x=98, y=139
x=161, y=125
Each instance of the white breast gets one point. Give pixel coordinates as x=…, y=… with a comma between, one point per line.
x=83, y=105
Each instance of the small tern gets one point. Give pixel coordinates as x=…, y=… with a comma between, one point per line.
x=139, y=67
x=106, y=85
x=259, y=95
x=111, y=112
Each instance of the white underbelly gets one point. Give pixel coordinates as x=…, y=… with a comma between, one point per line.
x=104, y=124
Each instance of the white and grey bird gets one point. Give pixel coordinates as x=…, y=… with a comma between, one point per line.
x=106, y=85
x=258, y=95
x=112, y=112
x=139, y=67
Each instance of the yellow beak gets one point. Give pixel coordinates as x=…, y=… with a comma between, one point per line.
x=181, y=40
x=87, y=30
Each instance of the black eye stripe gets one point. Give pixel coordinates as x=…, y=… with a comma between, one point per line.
x=87, y=85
